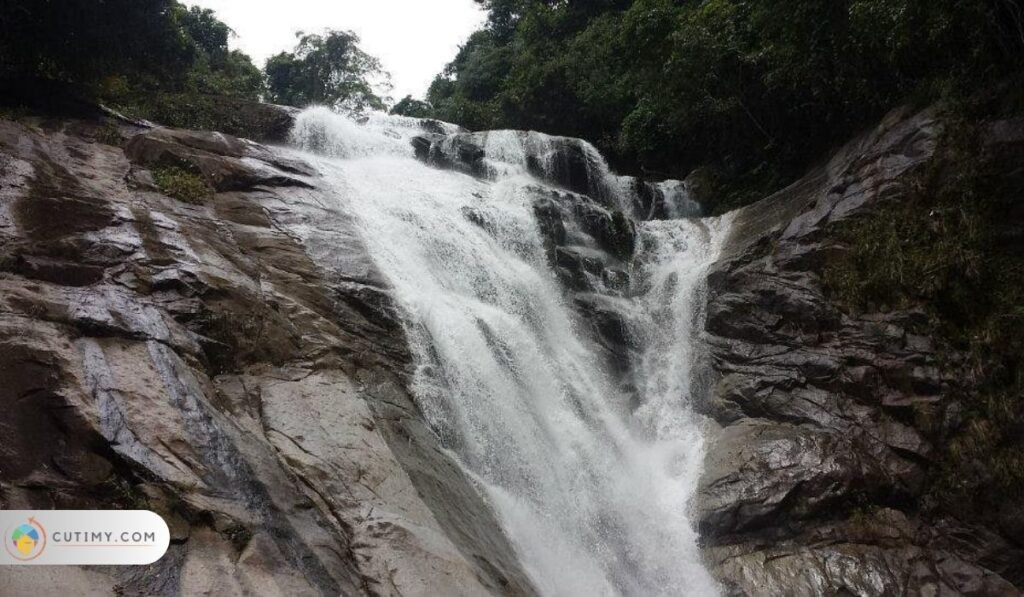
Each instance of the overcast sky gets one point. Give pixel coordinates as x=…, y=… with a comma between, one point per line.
x=413, y=39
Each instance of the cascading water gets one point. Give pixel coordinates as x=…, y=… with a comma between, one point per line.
x=590, y=482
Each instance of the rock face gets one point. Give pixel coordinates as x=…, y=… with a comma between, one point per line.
x=565, y=162
x=812, y=484
x=193, y=360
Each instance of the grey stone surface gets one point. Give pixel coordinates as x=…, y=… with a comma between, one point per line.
x=194, y=360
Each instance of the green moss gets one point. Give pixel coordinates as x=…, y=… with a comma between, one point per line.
x=926, y=246
x=182, y=184
x=234, y=335
x=726, y=191
x=239, y=536
x=124, y=495
x=109, y=134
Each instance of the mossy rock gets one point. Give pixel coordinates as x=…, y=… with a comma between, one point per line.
x=950, y=244
x=265, y=123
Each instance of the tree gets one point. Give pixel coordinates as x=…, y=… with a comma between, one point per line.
x=82, y=41
x=216, y=69
x=412, y=107
x=328, y=69
x=208, y=34
x=136, y=46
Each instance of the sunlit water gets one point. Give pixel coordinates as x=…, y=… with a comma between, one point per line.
x=591, y=485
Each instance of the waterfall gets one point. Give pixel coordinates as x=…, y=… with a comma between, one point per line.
x=589, y=471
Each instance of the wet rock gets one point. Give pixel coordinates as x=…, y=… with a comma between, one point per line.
x=439, y=128
x=571, y=219
x=577, y=267
x=421, y=145
x=452, y=152
x=568, y=166
x=219, y=158
x=613, y=231
x=610, y=319
x=243, y=118
x=559, y=161
x=813, y=485
x=196, y=361
x=552, y=226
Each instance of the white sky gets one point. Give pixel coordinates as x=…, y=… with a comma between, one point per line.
x=413, y=39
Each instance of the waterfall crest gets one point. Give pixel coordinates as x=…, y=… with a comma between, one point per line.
x=575, y=423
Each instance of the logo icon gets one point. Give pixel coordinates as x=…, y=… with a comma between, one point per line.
x=26, y=541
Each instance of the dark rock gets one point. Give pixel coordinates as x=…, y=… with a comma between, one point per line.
x=261, y=122
x=609, y=318
x=868, y=553
x=559, y=161
x=436, y=127
x=552, y=227
x=613, y=231
x=421, y=146
x=453, y=152
x=568, y=167
x=814, y=484
x=1005, y=132
x=579, y=265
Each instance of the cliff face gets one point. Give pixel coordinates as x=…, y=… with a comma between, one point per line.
x=814, y=483
x=193, y=360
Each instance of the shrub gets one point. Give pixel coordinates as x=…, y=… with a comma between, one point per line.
x=182, y=184
x=109, y=134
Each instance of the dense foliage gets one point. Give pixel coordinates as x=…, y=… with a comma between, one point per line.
x=120, y=47
x=162, y=61
x=215, y=68
x=328, y=69
x=753, y=89
x=409, y=106
x=84, y=40
x=183, y=185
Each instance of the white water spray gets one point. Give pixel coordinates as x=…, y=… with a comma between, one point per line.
x=592, y=493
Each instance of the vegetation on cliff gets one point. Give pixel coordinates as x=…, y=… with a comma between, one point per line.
x=182, y=184
x=951, y=246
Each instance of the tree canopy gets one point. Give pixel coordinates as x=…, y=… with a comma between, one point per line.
x=215, y=68
x=328, y=69
x=408, y=106
x=751, y=89
x=83, y=40
x=146, y=44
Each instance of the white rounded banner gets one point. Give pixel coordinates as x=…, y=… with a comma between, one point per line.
x=82, y=537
